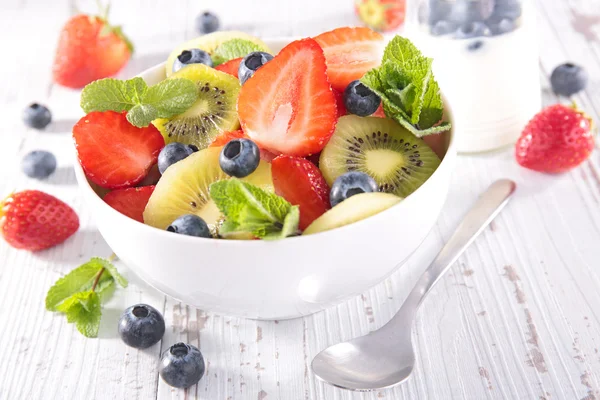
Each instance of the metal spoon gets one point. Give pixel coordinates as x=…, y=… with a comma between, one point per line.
x=385, y=357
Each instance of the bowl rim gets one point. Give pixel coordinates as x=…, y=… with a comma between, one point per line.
x=84, y=184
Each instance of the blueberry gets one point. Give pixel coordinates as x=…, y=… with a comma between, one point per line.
x=239, y=158
x=360, y=100
x=443, y=27
x=439, y=10
x=141, y=326
x=476, y=45
x=191, y=56
x=207, y=22
x=37, y=116
x=471, y=30
x=38, y=164
x=181, y=366
x=465, y=11
x=499, y=27
x=191, y=225
x=251, y=63
x=172, y=153
x=349, y=184
x=568, y=79
x=510, y=9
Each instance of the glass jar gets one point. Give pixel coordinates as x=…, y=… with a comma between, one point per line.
x=486, y=62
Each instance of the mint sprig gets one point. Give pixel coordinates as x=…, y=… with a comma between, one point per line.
x=80, y=293
x=408, y=89
x=247, y=208
x=142, y=103
x=232, y=49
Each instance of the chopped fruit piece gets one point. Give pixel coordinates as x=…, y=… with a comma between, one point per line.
x=568, y=79
x=288, y=106
x=212, y=113
x=209, y=43
x=152, y=177
x=191, y=56
x=141, y=326
x=131, y=201
x=251, y=63
x=37, y=116
x=438, y=143
x=181, y=366
x=33, y=220
x=89, y=49
x=350, y=53
x=184, y=189
x=339, y=102
x=226, y=137
x=360, y=100
x=230, y=67
x=379, y=112
x=38, y=164
x=382, y=15
x=207, y=22
x=300, y=182
x=557, y=139
x=350, y=184
x=113, y=153
x=314, y=158
x=354, y=209
x=172, y=153
x=239, y=158
x=381, y=148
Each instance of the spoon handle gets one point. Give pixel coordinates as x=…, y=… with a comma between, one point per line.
x=479, y=216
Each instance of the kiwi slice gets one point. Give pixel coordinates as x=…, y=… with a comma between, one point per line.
x=353, y=209
x=397, y=160
x=184, y=189
x=209, y=43
x=214, y=111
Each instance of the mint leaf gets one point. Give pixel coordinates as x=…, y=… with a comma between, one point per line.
x=107, y=95
x=78, y=280
x=111, y=271
x=171, y=97
x=248, y=208
x=234, y=48
x=142, y=115
x=83, y=309
x=407, y=88
x=142, y=103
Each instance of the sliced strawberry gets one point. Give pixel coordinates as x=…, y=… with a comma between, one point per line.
x=230, y=67
x=131, y=201
x=339, y=101
x=301, y=183
x=113, y=153
x=288, y=106
x=314, y=158
x=379, y=112
x=226, y=137
x=350, y=53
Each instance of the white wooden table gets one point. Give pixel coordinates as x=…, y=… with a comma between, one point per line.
x=518, y=317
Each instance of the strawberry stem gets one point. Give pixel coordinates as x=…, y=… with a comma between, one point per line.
x=97, y=279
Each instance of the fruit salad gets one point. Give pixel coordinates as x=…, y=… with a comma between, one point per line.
x=238, y=142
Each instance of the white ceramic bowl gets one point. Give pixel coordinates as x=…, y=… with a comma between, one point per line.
x=274, y=279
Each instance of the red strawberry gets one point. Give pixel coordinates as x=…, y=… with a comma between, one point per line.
x=113, y=153
x=379, y=112
x=226, y=137
x=381, y=15
x=339, y=101
x=301, y=183
x=230, y=67
x=556, y=140
x=34, y=220
x=131, y=201
x=89, y=49
x=288, y=107
x=350, y=53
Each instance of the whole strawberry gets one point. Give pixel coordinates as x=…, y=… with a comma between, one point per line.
x=34, y=220
x=381, y=15
x=557, y=139
x=89, y=49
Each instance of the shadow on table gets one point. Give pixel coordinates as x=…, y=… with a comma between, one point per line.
x=72, y=250
x=61, y=126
